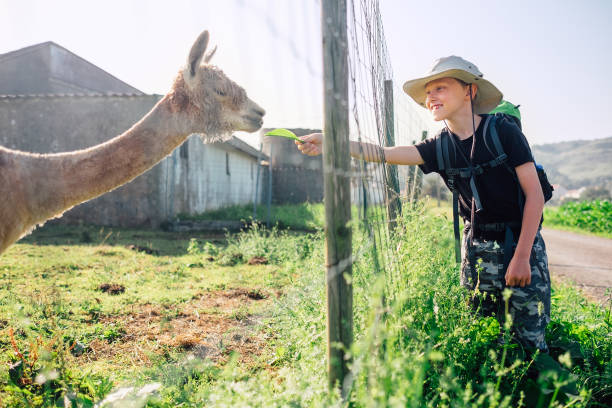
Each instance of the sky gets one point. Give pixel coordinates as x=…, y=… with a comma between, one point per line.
x=551, y=57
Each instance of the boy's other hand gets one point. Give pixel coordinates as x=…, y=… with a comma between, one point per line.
x=519, y=272
x=313, y=144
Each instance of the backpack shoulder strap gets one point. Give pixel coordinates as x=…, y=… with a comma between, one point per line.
x=492, y=128
x=500, y=151
x=445, y=149
x=442, y=156
x=439, y=152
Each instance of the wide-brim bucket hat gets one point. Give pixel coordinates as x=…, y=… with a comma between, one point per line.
x=487, y=97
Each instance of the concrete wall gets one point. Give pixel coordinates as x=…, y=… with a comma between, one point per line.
x=199, y=177
x=56, y=124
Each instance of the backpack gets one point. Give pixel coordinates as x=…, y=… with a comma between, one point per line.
x=507, y=111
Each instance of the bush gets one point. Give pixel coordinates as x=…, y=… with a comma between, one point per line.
x=593, y=216
x=39, y=376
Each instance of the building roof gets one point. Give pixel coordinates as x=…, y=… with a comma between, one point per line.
x=24, y=50
x=78, y=95
x=49, y=68
x=244, y=147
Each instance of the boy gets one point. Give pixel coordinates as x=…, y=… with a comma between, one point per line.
x=455, y=92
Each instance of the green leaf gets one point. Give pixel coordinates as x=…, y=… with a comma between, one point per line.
x=284, y=133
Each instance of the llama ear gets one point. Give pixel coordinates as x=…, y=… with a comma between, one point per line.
x=196, y=53
x=209, y=55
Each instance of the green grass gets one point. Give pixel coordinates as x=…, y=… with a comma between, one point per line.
x=305, y=216
x=51, y=302
x=422, y=348
x=594, y=217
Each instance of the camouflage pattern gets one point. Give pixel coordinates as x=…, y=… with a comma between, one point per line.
x=528, y=306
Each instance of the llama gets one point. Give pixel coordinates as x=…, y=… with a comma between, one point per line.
x=37, y=187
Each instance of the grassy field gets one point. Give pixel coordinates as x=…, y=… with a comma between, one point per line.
x=90, y=308
x=190, y=320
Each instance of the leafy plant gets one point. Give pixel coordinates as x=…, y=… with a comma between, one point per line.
x=593, y=216
x=40, y=376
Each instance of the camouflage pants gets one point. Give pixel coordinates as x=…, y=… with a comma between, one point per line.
x=528, y=306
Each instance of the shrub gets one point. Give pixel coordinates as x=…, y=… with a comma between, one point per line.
x=593, y=216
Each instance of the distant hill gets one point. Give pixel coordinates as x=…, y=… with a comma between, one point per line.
x=576, y=164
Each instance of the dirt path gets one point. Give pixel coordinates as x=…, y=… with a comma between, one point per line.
x=585, y=260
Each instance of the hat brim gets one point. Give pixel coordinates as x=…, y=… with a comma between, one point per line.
x=487, y=97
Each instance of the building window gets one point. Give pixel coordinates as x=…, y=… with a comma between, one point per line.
x=227, y=169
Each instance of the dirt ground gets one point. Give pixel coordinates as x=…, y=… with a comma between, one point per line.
x=584, y=260
x=211, y=326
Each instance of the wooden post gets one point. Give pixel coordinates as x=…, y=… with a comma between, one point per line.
x=269, y=213
x=336, y=170
x=256, y=194
x=409, y=176
x=392, y=182
x=418, y=178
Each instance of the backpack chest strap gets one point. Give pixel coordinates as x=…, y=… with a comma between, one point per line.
x=477, y=170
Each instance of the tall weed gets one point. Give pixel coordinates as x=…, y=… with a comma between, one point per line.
x=417, y=343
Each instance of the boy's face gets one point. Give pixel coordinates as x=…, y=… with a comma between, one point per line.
x=446, y=97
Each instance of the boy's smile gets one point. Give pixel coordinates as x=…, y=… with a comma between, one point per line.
x=445, y=97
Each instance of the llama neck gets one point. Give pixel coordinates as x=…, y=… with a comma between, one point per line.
x=82, y=175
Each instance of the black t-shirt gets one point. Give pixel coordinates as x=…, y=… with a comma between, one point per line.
x=497, y=187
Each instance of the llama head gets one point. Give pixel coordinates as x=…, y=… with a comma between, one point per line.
x=215, y=104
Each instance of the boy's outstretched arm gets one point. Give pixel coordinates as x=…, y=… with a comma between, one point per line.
x=406, y=155
x=519, y=270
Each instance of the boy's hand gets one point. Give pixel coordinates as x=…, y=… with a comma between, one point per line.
x=312, y=145
x=519, y=272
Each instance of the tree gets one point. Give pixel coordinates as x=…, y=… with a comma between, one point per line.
x=595, y=193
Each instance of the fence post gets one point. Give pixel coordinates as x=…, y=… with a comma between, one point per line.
x=418, y=178
x=269, y=200
x=392, y=183
x=256, y=194
x=336, y=170
x=409, y=177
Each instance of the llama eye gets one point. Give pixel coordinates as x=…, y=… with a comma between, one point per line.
x=220, y=93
